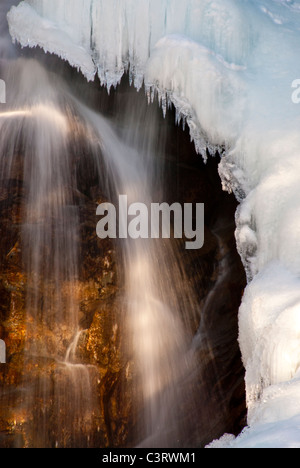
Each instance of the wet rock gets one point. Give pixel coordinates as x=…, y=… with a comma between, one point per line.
x=41, y=404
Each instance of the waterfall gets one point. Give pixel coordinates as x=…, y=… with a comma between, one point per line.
x=159, y=305
x=37, y=125
x=47, y=126
x=103, y=348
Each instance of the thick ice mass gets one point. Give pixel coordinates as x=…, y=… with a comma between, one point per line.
x=30, y=29
x=228, y=67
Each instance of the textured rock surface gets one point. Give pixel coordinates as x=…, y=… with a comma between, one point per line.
x=98, y=345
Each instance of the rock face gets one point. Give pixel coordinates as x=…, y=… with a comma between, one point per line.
x=44, y=418
x=84, y=397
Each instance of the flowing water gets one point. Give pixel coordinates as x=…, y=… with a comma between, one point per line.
x=43, y=121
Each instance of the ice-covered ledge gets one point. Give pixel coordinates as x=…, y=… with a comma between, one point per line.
x=228, y=67
x=31, y=30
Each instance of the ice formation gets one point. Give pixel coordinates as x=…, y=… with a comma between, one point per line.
x=231, y=69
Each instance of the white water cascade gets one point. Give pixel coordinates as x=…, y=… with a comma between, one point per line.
x=157, y=308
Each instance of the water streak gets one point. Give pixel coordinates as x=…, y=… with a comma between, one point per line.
x=40, y=123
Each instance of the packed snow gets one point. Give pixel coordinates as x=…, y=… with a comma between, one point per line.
x=231, y=69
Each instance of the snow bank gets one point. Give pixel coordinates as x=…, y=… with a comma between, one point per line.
x=281, y=434
x=228, y=66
